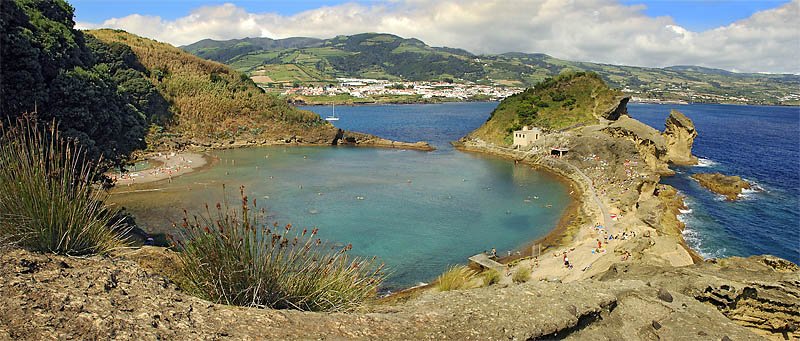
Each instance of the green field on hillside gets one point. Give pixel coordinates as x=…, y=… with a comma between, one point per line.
x=385, y=56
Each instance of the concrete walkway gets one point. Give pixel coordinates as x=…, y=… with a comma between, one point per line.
x=483, y=260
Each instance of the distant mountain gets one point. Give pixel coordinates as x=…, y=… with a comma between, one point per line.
x=386, y=56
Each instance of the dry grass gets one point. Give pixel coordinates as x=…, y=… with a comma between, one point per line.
x=48, y=199
x=231, y=257
x=522, y=275
x=456, y=278
x=490, y=277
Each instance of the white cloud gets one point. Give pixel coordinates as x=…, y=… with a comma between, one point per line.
x=586, y=30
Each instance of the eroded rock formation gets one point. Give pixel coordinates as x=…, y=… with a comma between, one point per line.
x=651, y=145
x=618, y=110
x=679, y=136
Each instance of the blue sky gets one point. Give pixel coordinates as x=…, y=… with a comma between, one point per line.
x=700, y=15
x=695, y=15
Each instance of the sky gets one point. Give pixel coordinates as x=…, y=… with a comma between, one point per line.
x=743, y=36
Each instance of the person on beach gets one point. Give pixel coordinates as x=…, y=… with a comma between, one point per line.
x=493, y=253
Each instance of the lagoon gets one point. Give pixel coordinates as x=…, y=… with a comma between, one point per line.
x=419, y=212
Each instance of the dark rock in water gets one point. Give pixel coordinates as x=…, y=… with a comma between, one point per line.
x=729, y=186
x=664, y=295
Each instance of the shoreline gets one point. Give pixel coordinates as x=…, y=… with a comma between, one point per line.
x=350, y=104
x=210, y=161
x=666, y=102
x=566, y=225
x=661, y=245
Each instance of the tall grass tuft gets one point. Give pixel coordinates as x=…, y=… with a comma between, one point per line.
x=455, y=278
x=522, y=275
x=48, y=201
x=490, y=277
x=231, y=256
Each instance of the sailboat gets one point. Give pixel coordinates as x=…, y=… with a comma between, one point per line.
x=333, y=116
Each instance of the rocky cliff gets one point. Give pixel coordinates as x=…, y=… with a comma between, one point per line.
x=651, y=145
x=619, y=109
x=679, y=136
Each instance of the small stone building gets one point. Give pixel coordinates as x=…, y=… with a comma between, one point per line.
x=526, y=136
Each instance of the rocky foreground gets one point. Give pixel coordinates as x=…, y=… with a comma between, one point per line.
x=55, y=297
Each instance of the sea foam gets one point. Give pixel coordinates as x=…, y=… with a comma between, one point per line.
x=702, y=162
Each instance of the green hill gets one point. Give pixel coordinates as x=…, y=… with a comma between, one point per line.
x=211, y=101
x=385, y=56
x=563, y=102
x=117, y=93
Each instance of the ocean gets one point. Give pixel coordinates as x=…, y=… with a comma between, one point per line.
x=760, y=144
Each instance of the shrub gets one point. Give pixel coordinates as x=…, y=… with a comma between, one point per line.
x=48, y=201
x=522, y=275
x=457, y=277
x=490, y=277
x=231, y=257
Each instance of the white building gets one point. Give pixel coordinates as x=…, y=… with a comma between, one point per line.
x=526, y=136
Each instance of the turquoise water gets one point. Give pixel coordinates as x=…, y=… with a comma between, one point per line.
x=419, y=212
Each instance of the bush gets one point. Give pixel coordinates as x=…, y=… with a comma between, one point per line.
x=522, y=275
x=230, y=257
x=491, y=277
x=48, y=201
x=457, y=277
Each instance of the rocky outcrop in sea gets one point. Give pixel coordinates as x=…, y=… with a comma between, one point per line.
x=679, y=136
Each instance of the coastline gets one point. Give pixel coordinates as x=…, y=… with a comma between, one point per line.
x=193, y=154
x=569, y=237
x=569, y=221
x=654, y=101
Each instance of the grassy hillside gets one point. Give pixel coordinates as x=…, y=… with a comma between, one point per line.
x=385, y=56
x=566, y=101
x=210, y=100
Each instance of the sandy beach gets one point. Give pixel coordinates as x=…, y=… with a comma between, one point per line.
x=166, y=166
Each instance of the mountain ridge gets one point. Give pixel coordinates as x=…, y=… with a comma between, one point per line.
x=394, y=58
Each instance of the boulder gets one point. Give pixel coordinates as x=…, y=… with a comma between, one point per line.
x=679, y=136
x=729, y=186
